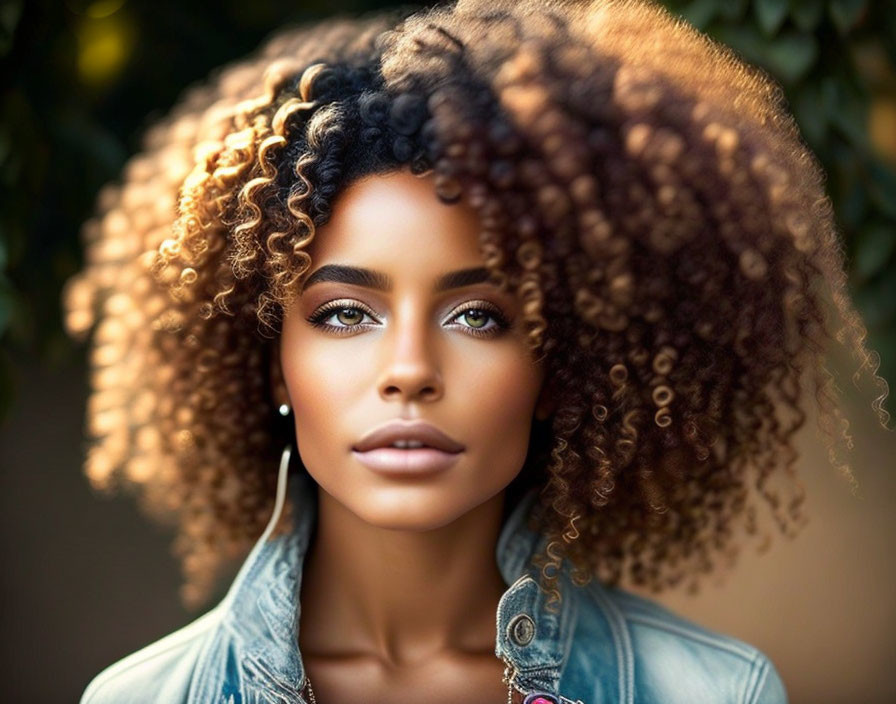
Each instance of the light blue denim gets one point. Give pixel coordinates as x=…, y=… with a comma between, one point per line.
x=604, y=646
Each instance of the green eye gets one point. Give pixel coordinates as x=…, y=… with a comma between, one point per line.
x=481, y=319
x=349, y=316
x=346, y=318
x=476, y=318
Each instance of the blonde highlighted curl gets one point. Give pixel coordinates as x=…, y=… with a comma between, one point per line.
x=642, y=191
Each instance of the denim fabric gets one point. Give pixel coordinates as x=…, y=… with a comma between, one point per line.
x=603, y=646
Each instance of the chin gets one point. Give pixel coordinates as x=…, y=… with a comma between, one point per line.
x=413, y=510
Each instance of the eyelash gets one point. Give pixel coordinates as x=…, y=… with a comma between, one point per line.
x=325, y=311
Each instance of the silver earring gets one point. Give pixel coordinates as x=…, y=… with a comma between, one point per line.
x=285, y=409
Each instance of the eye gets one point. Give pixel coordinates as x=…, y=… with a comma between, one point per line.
x=478, y=318
x=475, y=316
x=348, y=316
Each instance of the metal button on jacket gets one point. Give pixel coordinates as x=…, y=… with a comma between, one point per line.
x=522, y=629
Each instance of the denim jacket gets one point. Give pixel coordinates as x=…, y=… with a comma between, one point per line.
x=604, y=646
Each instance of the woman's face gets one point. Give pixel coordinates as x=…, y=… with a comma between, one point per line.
x=388, y=328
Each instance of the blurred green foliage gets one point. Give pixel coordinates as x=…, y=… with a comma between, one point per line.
x=82, y=79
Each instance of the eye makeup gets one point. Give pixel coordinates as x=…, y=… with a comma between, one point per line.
x=331, y=308
x=501, y=321
x=319, y=317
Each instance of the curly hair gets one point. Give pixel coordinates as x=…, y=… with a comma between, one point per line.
x=643, y=192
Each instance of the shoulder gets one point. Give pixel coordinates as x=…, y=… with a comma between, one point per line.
x=160, y=672
x=663, y=657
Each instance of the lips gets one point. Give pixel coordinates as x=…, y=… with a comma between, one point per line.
x=398, y=431
x=391, y=461
x=438, y=451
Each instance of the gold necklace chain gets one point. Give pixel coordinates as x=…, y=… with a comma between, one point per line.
x=311, y=698
x=508, y=680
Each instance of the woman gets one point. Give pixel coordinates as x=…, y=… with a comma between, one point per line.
x=527, y=292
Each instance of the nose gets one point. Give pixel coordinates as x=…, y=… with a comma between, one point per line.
x=410, y=372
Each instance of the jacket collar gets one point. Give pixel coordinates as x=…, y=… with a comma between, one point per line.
x=253, y=655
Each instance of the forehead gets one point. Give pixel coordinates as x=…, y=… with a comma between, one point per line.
x=396, y=221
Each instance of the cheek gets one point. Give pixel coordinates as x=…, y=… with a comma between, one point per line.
x=501, y=410
x=322, y=380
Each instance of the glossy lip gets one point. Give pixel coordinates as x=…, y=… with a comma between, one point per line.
x=393, y=461
x=426, y=433
x=439, y=453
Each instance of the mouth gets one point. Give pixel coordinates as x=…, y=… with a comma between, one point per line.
x=414, y=461
x=408, y=435
x=407, y=448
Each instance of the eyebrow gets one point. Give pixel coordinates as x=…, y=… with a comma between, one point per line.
x=368, y=278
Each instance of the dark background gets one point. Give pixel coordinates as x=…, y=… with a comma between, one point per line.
x=85, y=580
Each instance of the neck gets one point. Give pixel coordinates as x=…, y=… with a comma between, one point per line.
x=400, y=596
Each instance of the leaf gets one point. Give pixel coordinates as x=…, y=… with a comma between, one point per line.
x=877, y=301
x=788, y=57
x=850, y=113
x=875, y=248
x=700, y=12
x=806, y=14
x=811, y=113
x=770, y=14
x=732, y=10
x=845, y=14
x=851, y=197
x=791, y=55
x=883, y=187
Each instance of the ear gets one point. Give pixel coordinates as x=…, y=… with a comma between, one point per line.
x=546, y=403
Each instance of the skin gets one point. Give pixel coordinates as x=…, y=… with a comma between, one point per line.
x=400, y=585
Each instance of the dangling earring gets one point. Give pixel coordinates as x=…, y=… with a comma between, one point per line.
x=285, y=410
x=280, y=496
